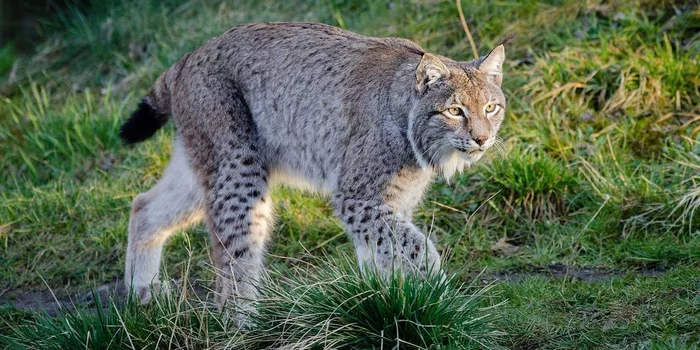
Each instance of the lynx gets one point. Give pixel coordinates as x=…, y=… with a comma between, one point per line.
x=369, y=121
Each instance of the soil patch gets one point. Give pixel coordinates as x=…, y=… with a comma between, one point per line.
x=558, y=271
x=53, y=301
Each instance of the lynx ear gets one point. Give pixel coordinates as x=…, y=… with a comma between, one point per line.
x=430, y=70
x=492, y=65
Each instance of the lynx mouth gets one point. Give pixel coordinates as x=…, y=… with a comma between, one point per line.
x=471, y=155
x=469, y=151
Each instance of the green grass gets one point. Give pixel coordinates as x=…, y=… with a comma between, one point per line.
x=631, y=311
x=337, y=307
x=599, y=168
x=340, y=307
x=7, y=58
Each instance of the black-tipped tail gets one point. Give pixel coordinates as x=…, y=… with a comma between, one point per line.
x=142, y=124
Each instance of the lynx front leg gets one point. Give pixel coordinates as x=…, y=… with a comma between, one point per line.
x=385, y=239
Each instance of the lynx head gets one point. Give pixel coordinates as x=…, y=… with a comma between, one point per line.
x=457, y=111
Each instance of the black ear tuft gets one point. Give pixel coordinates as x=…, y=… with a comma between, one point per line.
x=142, y=124
x=508, y=38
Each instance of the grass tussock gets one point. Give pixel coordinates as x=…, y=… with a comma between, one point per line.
x=172, y=322
x=336, y=306
x=341, y=307
x=529, y=185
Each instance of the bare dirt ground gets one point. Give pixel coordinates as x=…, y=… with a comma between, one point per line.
x=54, y=300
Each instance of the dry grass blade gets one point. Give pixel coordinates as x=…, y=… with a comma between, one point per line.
x=475, y=52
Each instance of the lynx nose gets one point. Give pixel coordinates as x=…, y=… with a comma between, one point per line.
x=480, y=140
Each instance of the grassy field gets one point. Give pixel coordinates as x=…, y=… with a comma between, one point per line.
x=584, y=227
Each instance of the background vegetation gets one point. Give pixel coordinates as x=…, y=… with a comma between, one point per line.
x=588, y=217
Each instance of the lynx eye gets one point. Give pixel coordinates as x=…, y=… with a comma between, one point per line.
x=453, y=112
x=491, y=108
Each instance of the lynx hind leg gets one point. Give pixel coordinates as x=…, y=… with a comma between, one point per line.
x=176, y=201
x=240, y=218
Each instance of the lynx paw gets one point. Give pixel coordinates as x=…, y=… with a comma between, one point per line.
x=144, y=292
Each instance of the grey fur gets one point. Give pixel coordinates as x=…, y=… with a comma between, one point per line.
x=364, y=119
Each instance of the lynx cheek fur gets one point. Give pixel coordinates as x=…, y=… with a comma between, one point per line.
x=368, y=120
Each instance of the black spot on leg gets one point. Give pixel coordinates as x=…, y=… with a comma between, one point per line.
x=365, y=217
x=238, y=253
x=242, y=216
x=227, y=241
x=229, y=220
x=380, y=241
x=350, y=219
x=234, y=208
x=254, y=193
x=367, y=239
x=247, y=161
